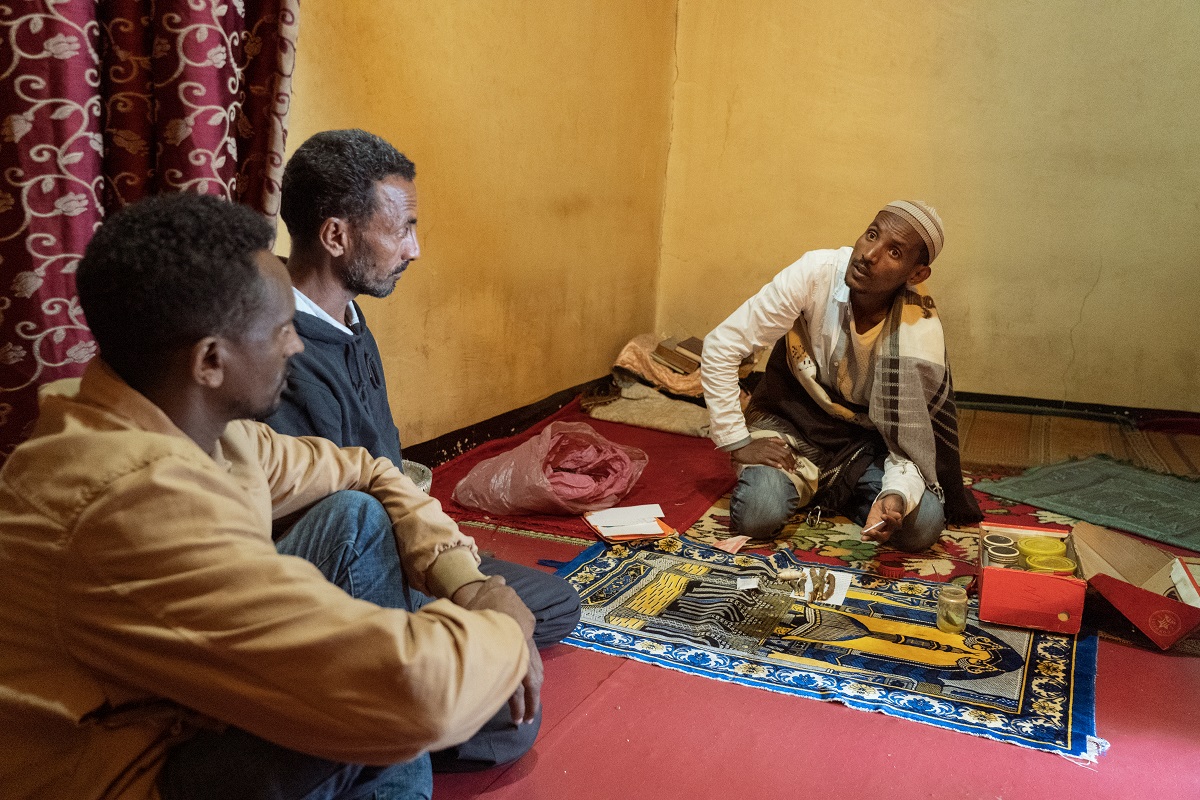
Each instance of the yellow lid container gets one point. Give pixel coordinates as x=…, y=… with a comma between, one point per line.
x=1057, y=565
x=1041, y=546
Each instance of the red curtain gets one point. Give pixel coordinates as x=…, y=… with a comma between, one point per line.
x=103, y=103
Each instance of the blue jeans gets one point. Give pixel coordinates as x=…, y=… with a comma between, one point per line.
x=350, y=540
x=764, y=498
x=348, y=536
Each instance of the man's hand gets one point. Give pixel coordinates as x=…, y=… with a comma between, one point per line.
x=889, y=510
x=526, y=700
x=494, y=595
x=770, y=451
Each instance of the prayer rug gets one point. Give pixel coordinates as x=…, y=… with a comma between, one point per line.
x=685, y=476
x=1019, y=441
x=1011, y=512
x=674, y=603
x=838, y=542
x=1165, y=508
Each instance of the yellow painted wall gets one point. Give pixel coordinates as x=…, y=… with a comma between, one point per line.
x=539, y=131
x=592, y=169
x=1060, y=140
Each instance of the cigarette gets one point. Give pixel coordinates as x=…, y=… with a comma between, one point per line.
x=873, y=527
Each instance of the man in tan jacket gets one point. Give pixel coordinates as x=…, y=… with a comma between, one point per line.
x=153, y=641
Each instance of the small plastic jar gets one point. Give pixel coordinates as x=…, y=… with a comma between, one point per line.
x=1055, y=565
x=1032, y=546
x=952, y=609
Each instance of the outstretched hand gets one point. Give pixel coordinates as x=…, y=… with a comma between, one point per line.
x=889, y=510
x=769, y=451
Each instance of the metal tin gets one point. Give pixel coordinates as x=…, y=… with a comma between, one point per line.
x=998, y=540
x=1002, y=556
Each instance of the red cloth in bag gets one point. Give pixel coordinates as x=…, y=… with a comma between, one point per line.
x=568, y=468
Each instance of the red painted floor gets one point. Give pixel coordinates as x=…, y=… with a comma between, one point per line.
x=620, y=729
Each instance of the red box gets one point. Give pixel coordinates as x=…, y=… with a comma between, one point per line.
x=1009, y=596
x=1133, y=576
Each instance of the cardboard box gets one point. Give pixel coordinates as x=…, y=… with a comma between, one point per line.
x=1136, y=578
x=1185, y=574
x=1010, y=596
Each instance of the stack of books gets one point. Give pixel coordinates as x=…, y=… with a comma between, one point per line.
x=681, y=356
x=629, y=524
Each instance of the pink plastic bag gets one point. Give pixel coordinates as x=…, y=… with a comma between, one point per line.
x=568, y=468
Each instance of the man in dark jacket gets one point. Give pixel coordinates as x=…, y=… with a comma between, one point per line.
x=350, y=206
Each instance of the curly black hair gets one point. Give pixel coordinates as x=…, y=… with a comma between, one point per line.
x=333, y=174
x=167, y=271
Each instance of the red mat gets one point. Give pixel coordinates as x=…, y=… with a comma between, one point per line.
x=524, y=547
x=685, y=475
x=617, y=728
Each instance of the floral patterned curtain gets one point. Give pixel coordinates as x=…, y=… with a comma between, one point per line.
x=103, y=102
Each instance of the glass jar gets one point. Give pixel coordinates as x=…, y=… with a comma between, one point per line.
x=952, y=609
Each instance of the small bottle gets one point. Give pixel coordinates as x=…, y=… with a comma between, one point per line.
x=952, y=609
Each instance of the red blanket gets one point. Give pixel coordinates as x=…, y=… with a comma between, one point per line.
x=685, y=475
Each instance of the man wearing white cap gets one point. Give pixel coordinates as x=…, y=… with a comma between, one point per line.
x=855, y=411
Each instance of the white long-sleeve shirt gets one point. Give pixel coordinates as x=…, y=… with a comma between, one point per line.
x=813, y=289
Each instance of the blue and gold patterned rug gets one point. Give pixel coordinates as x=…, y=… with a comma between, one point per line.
x=675, y=603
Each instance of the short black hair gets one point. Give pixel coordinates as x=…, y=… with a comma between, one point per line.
x=167, y=271
x=333, y=174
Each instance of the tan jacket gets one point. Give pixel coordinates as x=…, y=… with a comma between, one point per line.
x=140, y=592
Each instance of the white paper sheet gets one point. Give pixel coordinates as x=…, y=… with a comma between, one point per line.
x=632, y=529
x=626, y=515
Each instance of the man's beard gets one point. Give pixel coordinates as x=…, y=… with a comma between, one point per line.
x=359, y=280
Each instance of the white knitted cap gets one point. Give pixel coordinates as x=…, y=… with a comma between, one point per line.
x=925, y=221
